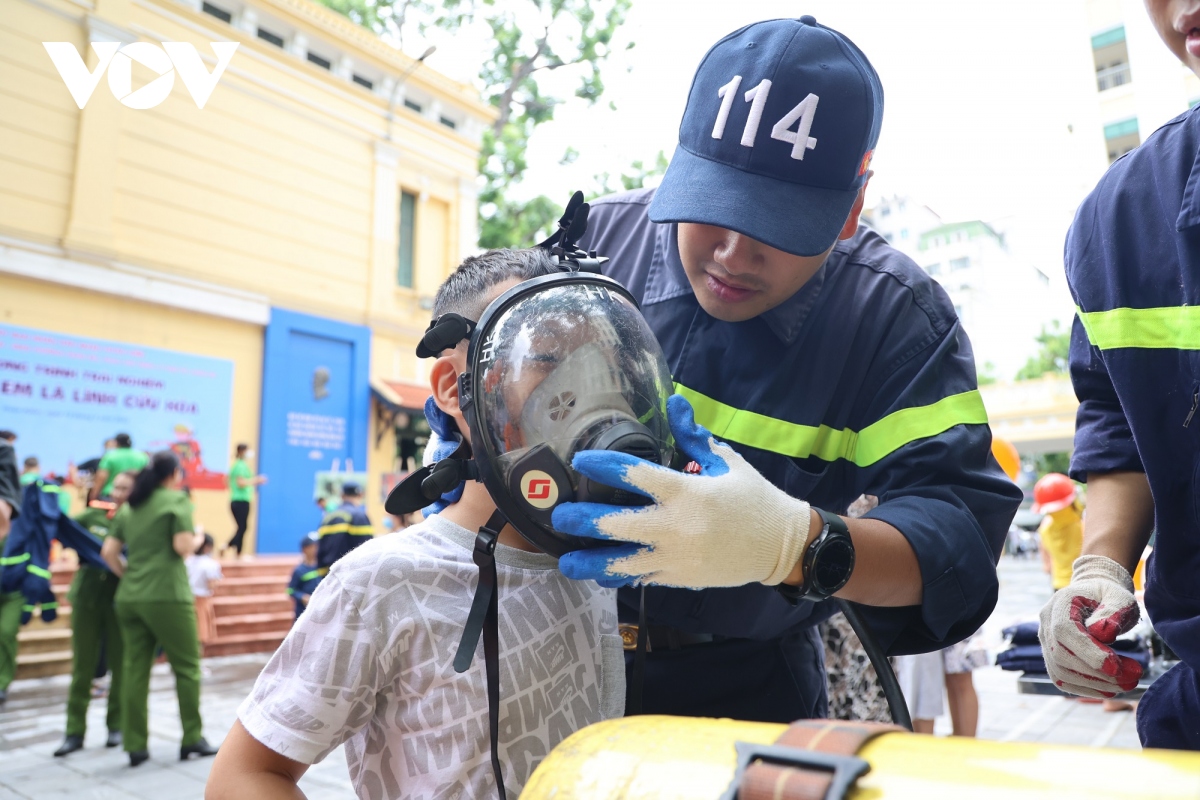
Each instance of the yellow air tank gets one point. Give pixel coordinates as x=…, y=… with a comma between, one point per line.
x=672, y=758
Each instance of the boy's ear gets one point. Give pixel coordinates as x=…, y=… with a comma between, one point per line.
x=443, y=381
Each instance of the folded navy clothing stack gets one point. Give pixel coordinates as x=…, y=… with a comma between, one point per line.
x=1022, y=658
x=1025, y=654
x=1022, y=633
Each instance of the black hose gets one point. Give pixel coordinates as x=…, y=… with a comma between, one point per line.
x=883, y=668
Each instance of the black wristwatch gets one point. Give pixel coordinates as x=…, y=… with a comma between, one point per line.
x=827, y=564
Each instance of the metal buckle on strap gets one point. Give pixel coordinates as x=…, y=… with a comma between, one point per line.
x=843, y=770
x=629, y=636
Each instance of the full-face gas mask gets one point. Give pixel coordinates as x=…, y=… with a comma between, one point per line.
x=555, y=365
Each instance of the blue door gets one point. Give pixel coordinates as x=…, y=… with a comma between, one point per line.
x=316, y=394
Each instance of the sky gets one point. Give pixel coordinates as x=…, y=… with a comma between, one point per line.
x=991, y=110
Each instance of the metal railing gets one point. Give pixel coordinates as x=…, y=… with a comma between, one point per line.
x=1112, y=77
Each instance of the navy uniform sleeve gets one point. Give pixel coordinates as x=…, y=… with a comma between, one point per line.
x=945, y=493
x=294, y=584
x=1103, y=437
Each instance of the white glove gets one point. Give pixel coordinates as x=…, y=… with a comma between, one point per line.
x=1081, y=620
x=725, y=526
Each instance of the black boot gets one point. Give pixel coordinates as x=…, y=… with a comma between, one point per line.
x=114, y=739
x=138, y=757
x=70, y=744
x=200, y=748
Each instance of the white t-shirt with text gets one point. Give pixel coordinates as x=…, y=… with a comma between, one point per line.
x=370, y=664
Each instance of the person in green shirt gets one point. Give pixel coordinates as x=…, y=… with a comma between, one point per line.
x=94, y=627
x=122, y=458
x=242, y=481
x=154, y=602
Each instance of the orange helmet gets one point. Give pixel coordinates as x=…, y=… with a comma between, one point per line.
x=1053, y=492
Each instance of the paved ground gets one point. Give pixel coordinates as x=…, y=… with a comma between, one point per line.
x=30, y=724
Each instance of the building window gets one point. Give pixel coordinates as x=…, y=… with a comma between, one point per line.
x=449, y=123
x=366, y=83
x=313, y=58
x=1121, y=137
x=408, y=230
x=216, y=11
x=959, y=263
x=1111, y=58
x=883, y=212
x=410, y=104
x=934, y=269
x=904, y=233
x=273, y=38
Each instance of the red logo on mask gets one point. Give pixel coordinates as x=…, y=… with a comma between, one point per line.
x=539, y=489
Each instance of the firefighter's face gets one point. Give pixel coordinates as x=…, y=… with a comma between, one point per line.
x=736, y=278
x=1178, y=23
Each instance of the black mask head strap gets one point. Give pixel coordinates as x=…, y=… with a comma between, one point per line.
x=443, y=333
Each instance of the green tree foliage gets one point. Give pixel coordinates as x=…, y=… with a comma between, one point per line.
x=1054, y=345
x=530, y=39
x=633, y=178
x=1045, y=463
x=987, y=375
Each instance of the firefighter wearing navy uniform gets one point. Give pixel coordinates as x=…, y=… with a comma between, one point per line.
x=343, y=529
x=832, y=366
x=1133, y=266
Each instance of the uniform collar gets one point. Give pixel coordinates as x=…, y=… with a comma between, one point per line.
x=1189, y=212
x=667, y=280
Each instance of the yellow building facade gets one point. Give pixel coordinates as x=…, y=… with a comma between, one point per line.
x=327, y=178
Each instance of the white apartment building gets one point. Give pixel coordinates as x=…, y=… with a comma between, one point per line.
x=1002, y=300
x=1139, y=83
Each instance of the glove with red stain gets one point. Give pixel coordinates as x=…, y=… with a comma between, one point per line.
x=1079, y=623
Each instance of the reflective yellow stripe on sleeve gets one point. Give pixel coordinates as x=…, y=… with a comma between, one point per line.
x=1167, y=328
x=326, y=530
x=361, y=530
x=862, y=448
x=36, y=570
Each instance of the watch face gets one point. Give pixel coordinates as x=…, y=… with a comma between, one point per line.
x=833, y=565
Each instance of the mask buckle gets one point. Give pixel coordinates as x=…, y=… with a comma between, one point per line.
x=561, y=244
x=427, y=484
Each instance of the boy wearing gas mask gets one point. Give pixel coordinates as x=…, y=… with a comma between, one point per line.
x=372, y=662
x=828, y=364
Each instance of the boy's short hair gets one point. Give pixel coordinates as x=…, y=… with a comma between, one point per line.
x=123, y=440
x=465, y=291
x=31, y=462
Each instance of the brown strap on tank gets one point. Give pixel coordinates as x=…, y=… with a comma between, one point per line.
x=763, y=781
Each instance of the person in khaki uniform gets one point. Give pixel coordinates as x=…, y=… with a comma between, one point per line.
x=94, y=627
x=154, y=602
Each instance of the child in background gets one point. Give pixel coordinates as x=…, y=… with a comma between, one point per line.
x=305, y=576
x=203, y=574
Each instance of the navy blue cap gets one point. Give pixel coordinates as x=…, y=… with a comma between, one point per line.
x=351, y=489
x=785, y=170
x=310, y=538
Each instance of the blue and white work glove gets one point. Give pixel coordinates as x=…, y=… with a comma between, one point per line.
x=444, y=439
x=724, y=526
